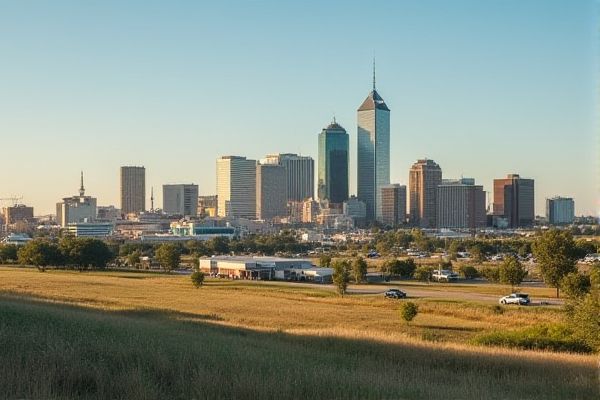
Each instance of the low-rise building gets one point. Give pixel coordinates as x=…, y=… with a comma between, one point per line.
x=90, y=229
x=264, y=268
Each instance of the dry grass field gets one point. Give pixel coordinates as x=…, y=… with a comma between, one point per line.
x=235, y=339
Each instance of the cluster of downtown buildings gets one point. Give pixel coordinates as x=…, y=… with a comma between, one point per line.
x=280, y=189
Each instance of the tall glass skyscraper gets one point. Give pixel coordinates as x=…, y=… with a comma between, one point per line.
x=373, y=158
x=333, y=163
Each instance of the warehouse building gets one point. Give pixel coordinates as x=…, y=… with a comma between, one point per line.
x=265, y=268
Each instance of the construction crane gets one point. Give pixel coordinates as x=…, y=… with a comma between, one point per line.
x=14, y=200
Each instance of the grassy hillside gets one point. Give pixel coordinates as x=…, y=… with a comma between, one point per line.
x=62, y=351
x=136, y=335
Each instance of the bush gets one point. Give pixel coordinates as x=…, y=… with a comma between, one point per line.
x=423, y=273
x=492, y=274
x=468, y=271
x=408, y=311
x=541, y=337
x=575, y=285
x=197, y=278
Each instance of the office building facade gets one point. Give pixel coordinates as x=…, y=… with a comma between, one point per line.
x=514, y=200
x=393, y=205
x=560, y=210
x=76, y=209
x=333, y=176
x=180, y=199
x=271, y=193
x=133, y=189
x=373, y=152
x=236, y=187
x=423, y=180
x=300, y=172
x=460, y=204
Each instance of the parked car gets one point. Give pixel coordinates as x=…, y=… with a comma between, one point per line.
x=444, y=275
x=395, y=294
x=521, y=299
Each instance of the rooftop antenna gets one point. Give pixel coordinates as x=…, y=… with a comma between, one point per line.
x=81, y=188
x=373, y=73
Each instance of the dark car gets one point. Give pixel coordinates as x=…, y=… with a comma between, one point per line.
x=395, y=294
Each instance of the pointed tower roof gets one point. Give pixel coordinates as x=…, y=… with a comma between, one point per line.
x=372, y=102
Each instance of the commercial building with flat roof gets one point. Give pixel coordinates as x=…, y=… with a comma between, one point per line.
x=514, y=200
x=133, y=189
x=271, y=191
x=393, y=205
x=180, y=199
x=460, y=204
x=236, y=187
x=424, y=177
x=300, y=173
x=560, y=210
x=264, y=268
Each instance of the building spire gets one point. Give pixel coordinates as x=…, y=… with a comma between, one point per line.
x=81, y=188
x=152, y=199
x=373, y=73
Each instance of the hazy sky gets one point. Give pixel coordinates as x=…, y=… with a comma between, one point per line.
x=484, y=88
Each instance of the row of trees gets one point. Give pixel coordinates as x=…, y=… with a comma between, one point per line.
x=76, y=253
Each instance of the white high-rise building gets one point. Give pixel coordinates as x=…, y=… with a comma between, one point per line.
x=180, y=199
x=236, y=187
x=373, y=158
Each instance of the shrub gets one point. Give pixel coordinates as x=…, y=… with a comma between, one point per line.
x=575, y=285
x=542, y=337
x=408, y=311
x=468, y=271
x=197, y=278
x=497, y=309
x=492, y=274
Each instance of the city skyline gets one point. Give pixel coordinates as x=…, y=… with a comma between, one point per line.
x=521, y=98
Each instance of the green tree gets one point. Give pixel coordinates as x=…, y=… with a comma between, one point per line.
x=421, y=241
x=584, y=318
x=491, y=274
x=575, y=285
x=408, y=311
x=84, y=253
x=8, y=253
x=477, y=252
x=325, y=261
x=218, y=245
x=468, y=271
x=39, y=253
x=423, y=273
x=555, y=252
x=453, y=249
x=359, y=269
x=341, y=276
x=511, y=272
x=197, y=278
x=134, y=259
x=168, y=256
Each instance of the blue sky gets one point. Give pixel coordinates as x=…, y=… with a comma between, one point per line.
x=484, y=88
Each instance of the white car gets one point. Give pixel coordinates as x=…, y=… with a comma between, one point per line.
x=444, y=275
x=521, y=299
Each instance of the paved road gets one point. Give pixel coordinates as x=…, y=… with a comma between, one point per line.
x=435, y=291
